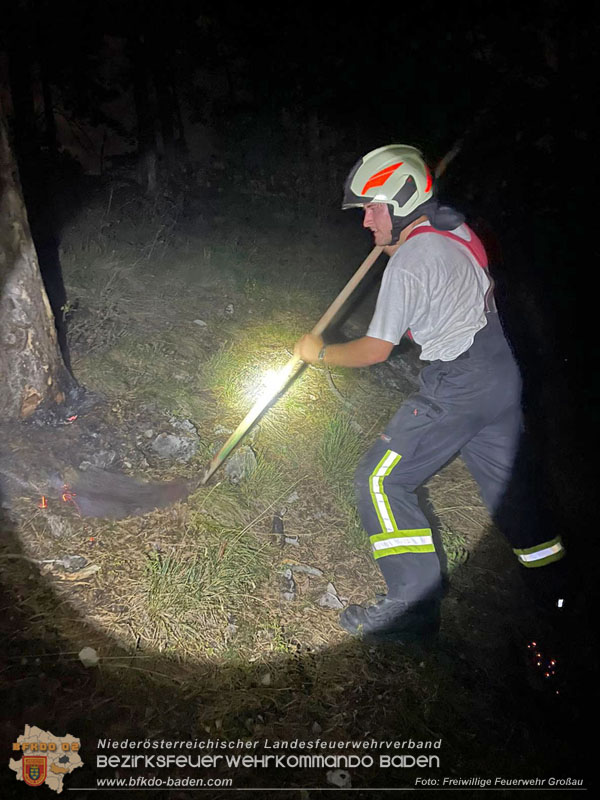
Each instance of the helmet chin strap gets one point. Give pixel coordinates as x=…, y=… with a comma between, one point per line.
x=443, y=218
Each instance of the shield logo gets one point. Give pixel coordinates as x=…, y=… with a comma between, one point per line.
x=35, y=769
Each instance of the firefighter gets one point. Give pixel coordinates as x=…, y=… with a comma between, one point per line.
x=437, y=289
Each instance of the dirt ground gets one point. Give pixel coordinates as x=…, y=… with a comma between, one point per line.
x=175, y=308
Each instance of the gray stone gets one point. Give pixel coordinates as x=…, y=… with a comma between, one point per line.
x=340, y=778
x=401, y=371
x=59, y=527
x=181, y=448
x=316, y=573
x=71, y=563
x=183, y=425
x=100, y=460
x=330, y=599
x=89, y=657
x=241, y=464
x=288, y=586
x=221, y=430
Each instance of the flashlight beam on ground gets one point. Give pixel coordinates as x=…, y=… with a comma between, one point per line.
x=287, y=371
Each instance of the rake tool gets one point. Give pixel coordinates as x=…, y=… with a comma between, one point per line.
x=99, y=493
x=286, y=374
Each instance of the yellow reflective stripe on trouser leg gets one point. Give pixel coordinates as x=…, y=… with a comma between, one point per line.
x=541, y=554
x=380, y=501
x=392, y=540
x=417, y=540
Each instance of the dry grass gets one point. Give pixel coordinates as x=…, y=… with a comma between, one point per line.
x=191, y=589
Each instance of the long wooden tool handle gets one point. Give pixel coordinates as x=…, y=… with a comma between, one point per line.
x=286, y=372
x=347, y=290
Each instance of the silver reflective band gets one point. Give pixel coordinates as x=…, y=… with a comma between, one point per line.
x=548, y=551
x=405, y=541
x=378, y=495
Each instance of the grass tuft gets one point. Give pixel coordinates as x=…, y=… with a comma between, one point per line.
x=341, y=448
x=200, y=581
x=455, y=546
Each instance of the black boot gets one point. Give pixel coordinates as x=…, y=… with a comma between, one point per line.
x=393, y=619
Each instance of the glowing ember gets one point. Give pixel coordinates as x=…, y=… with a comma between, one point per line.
x=68, y=496
x=43, y=503
x=72, y=419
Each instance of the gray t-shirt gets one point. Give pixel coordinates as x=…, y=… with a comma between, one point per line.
x=435, y=287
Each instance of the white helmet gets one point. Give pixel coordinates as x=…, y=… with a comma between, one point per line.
x=396, y=175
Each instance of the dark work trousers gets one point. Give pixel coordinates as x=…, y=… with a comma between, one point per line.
x=471, y=406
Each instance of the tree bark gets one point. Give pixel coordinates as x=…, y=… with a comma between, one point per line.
x=50, y=122
x=32, y=372
x=146, y=133
x=164, y=103
x=181, y=142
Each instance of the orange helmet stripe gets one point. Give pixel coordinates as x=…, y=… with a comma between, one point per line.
x=381, y=177
x=429, y=180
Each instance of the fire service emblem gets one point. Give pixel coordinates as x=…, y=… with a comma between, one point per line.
x=35, y=769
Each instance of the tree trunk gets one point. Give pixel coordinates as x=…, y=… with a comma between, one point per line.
x=146, y=133
x=50, y=122
x=181, y=142
x=164, y=103
x=32, y=372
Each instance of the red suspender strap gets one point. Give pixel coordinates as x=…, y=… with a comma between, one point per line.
x=474, y=245
x=475, y=248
